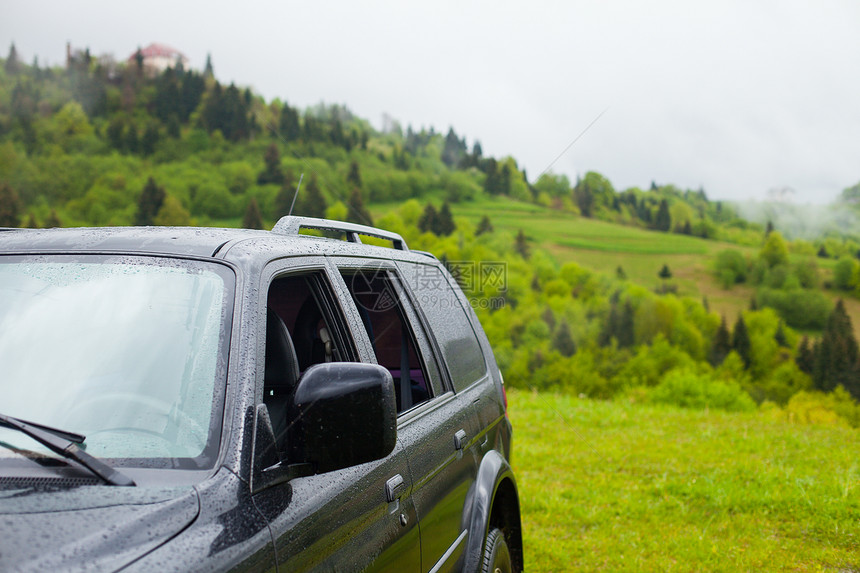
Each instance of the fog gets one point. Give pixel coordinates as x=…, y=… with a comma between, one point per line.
x=735, y=97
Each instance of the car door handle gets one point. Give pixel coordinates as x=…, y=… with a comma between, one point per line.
x=460, y=440
x=394, y=488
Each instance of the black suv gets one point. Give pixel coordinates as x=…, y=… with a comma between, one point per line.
x=223, y=399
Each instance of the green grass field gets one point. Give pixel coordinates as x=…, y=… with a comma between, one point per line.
x=610, y=486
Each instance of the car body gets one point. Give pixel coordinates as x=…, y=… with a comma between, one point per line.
x=241, y=405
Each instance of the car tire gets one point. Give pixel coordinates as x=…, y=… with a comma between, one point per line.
x=497, y=556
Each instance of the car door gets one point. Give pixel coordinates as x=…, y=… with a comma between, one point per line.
x=436, y=430
x=457, y=351
x=358, y=518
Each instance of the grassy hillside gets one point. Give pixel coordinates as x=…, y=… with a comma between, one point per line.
x=611, y=486
x=641, y=253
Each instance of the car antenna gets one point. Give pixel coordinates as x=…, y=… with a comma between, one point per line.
x=293, y=204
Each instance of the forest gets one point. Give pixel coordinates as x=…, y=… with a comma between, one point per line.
x=97, y=143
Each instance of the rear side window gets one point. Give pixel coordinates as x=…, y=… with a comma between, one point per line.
x=450, y=325
x=392, y=337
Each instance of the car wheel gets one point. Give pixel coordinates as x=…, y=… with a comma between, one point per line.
x=497, y=557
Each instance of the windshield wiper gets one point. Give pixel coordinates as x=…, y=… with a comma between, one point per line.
x=66, y=444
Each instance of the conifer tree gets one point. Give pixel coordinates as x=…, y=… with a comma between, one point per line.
x=610, y=327
x=521, y=245
x=453, y=149
x=131, y=142
x=563, y=341
x=548, y=317
x=583, y=196
x=289, y=126
x=149, y=140
x=252, y=219
x=427, y=223
x=836, y=354
x=445, y=221
x=10, y=206
x=665, y=273
x=272, y=172
x=138, y=60
x=208, y=72
x=484, y=226
x=505, y=179
x=114, y=133
x=354, y=177
x=13, y=63
x=741, y=340
x=721, y=346
x=311, y=202
x=779, y=336
x=53, y=222
x=620, y=274
x=492, y=183
x=687, y=229
x=284, y=198
x=805, y=358
x=31, y=222
x=663, y=221
x=626, y=333
x=357, y=212
x=149, y=203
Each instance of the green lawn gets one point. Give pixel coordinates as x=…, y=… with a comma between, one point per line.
x=610, y=486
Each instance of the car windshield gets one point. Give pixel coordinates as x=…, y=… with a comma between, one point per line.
x=128, y=352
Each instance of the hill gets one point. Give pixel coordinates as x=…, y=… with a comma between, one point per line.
x=605, y=291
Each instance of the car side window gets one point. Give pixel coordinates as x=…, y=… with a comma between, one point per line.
x=303, y=328
x=447, y=319
x=377, y=297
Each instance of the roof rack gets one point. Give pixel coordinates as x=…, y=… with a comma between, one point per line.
x=292, y=226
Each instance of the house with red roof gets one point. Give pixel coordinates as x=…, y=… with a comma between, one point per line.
x=158, y=57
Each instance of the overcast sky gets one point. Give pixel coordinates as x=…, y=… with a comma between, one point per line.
x=738, y=97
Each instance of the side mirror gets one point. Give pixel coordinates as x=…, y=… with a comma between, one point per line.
x=342, y=414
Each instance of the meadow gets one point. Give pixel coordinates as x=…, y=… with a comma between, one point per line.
x=617, y=486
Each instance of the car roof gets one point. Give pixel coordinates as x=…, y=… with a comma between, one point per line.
x=188, y=241
x=201, y=242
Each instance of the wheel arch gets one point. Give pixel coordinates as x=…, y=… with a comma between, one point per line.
x=495, y=503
